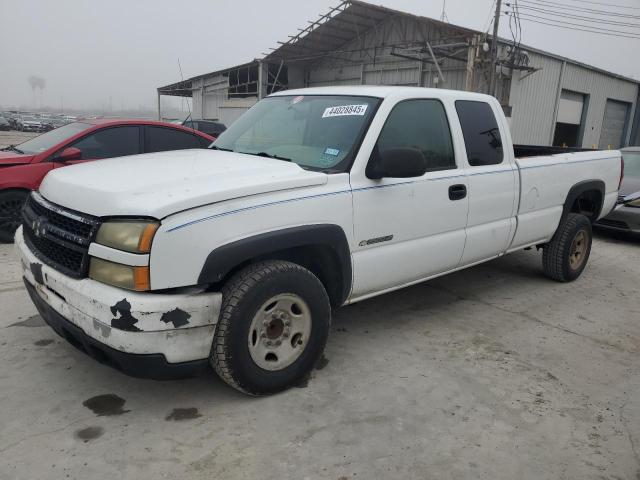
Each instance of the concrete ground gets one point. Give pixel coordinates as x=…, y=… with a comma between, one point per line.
x=490, y=373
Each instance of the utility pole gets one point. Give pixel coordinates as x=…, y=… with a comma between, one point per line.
x=494, y=48
x=443, y=16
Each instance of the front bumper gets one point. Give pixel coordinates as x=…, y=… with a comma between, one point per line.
x=142, y=334
x=622, y=219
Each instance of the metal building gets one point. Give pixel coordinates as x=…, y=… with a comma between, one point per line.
x=549, y=99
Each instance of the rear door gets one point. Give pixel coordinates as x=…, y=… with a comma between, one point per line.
x=108, y=142
x=162, y=139
x=492, y=178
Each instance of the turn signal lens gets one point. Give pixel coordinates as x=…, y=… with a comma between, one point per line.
x=133, y=236
x=118, y=275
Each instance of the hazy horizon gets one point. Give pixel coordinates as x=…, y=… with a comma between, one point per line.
x=97, y=56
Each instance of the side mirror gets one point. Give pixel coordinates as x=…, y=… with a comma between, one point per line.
x=68, y=154
x=399, y=163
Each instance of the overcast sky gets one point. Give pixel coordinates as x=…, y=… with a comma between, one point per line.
x=93, y=53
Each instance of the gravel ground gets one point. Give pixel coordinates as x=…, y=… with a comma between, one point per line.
x=494, y=372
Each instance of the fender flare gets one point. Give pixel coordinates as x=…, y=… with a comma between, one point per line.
x=578, y=189
x=225, y=258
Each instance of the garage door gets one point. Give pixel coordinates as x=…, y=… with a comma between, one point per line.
x=614, y=124
x=570, y=108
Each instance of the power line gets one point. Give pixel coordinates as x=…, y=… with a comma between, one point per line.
x=551, y=4
x=490, y=18
x=494, y=47
x=529, y=15
x=578, y=17
x=610, y=5
x=574, y=27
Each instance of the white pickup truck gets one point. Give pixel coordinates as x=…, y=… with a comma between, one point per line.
x=163, y=264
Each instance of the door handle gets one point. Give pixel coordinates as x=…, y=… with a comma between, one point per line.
x=457, y=192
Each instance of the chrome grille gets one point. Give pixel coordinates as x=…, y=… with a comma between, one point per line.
x=58, y=236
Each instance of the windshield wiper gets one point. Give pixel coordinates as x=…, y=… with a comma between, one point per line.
x=269, y=155
x=215, y=147
x=12, y=148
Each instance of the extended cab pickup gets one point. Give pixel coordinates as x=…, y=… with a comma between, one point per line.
x=316, y=198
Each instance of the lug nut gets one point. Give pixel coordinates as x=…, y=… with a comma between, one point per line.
x=278, y=342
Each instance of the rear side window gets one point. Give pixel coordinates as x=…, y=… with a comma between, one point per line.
x=109, y=143
x=420, y=124
x=481, y=133
x=159, y=139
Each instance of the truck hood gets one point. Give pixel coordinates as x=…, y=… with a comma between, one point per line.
x=8, y=158
x=160, y=184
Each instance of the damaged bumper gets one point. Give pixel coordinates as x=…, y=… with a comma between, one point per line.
x=142, y=334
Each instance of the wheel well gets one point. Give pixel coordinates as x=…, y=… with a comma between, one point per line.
x=321, y=248
x=321, y=260
x=588, y=203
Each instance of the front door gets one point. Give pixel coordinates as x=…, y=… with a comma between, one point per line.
x=108, y=143
x=407, y=229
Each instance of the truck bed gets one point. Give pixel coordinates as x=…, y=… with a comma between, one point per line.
x=523, y=151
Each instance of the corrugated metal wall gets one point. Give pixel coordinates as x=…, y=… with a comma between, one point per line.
x=635, y=133
x=373, y=64
x=599, y=87
x=534, y=99
x=216, y=105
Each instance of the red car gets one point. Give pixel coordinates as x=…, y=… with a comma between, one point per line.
x=23, y=166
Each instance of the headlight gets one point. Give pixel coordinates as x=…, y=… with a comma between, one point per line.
x=124, y=276
x=133, y=236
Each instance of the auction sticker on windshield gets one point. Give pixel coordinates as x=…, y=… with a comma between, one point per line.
x=344, y=110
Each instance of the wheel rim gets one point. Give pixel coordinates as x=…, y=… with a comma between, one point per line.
x=578, y=250
x=279, y=331
x=10, y=215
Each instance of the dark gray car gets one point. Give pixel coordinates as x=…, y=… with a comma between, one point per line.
x=626, y=216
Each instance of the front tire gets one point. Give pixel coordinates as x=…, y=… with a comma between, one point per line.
x=565, y=257
x=11, y=203
x=273, y=327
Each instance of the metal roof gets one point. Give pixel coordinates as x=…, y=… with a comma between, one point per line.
x=183, y=88
x=341, y=25
x=344, y=23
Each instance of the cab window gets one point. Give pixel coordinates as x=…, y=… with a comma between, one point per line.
x=481, y=133
x=421, y=124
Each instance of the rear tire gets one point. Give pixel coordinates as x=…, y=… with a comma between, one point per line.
x=565, y=257
x=273, y=327
x=11, y=203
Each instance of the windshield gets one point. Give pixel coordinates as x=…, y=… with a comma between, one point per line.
x=319, y=132
x=631, y=164
x=29, y=118
x=52, y=138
